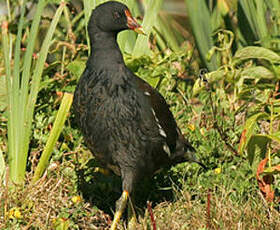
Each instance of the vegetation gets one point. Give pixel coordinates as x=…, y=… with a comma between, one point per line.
x=221, y=78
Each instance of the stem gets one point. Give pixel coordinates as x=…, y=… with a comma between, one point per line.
x=222, y=134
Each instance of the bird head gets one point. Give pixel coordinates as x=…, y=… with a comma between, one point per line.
x=113, y=17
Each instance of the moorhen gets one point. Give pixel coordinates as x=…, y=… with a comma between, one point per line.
x=125, y=122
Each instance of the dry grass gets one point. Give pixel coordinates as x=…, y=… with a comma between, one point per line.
x=253, y=214
x=48, y=204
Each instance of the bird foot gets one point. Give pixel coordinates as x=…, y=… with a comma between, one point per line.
x=132, y=223
x=132, y=219
x=120, y=207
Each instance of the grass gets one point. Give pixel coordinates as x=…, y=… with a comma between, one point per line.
x=186, y=213
x=50, y=204
x=74, y=194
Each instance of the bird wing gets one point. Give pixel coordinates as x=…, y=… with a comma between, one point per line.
x=179, y=147
x=161, y=112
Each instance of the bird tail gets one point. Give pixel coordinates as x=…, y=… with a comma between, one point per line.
x=185, y=152
x=189, y=154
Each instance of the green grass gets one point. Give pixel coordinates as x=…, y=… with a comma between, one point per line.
x=211, y=115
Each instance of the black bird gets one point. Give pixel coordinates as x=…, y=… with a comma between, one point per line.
x=125, y=122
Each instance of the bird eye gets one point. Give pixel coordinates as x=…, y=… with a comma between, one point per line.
x=117, y=15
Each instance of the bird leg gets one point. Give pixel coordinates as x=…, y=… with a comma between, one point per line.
x=132, y=220
x=120, y=207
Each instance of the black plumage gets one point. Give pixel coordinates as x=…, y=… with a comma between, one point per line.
x=125, y=122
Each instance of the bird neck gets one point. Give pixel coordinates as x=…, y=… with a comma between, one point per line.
x=105, y=51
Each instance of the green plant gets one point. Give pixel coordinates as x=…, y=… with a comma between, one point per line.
x=23, y=77
x=202, y=29
x=255, y=22
x=259, y=22
x=249, y=83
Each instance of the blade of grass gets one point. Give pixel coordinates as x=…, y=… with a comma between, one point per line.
x=16, y=86
x=88, y=6
x=163, y=26
x=200, y=19
x=260, y=22
x=255, y=12
x=36, y=78
x=274, y=8
x=2, y=166
x=28, y=54
x=141, y=46
x=16, y=70
x=17, y=155
x=54, y=135
x=11, y=129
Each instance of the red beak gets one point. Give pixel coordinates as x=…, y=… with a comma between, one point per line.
x=133, y=24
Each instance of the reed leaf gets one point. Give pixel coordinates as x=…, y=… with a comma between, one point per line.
x=152, y=8
x=254, y=14
x=18, y=155
x=2, y=165
x=54, y=135
x=37, y=74
x=9, y=82
x=22, y=94
x=200, y=20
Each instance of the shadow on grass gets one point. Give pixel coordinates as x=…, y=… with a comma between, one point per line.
x=103, y=191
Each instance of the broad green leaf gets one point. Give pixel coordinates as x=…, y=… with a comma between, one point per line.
x=127, y=38
x=153, y=81
x=126, y=41
x=197, y=87
x=248, y=130
x=76, y=68
x=257, y=146
x=257, y=72
x=258, y=143
x=258, y=53
x=215, y=76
